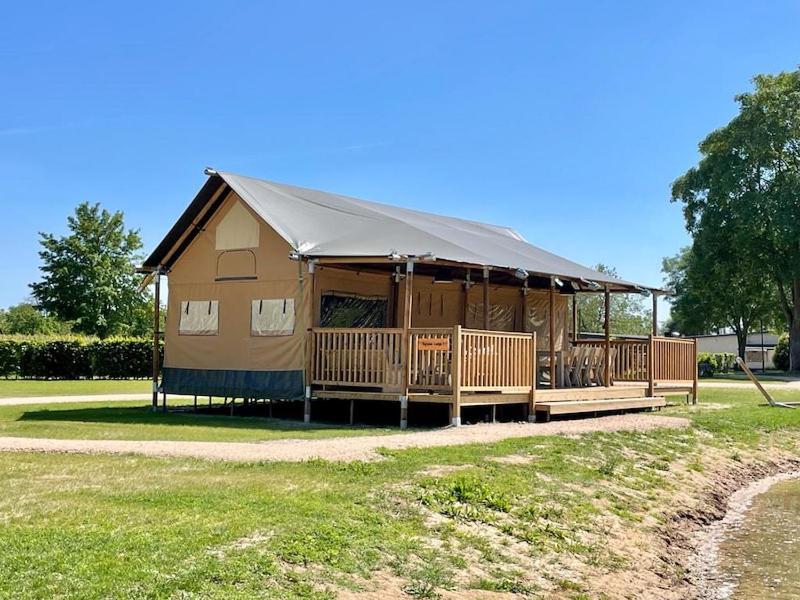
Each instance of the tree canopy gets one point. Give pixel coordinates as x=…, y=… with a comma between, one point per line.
x=629, y=315
x=88, y=276
x=742, y=201
x=26, y=319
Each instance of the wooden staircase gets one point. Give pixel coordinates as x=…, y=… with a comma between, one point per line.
x=570, y=407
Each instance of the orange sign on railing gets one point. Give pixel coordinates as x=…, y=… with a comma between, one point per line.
x=433, y=343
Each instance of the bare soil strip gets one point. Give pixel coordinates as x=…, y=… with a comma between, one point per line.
x=342, y=448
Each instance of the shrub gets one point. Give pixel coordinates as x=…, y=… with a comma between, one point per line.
x=710, y=363
x=74, y=357
x=781, y=357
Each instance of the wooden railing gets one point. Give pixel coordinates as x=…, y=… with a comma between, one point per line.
x=629, y=362
x=471, y=360
x=430, y=352
x=357, y=357
x=674, y=359
x=493, y=360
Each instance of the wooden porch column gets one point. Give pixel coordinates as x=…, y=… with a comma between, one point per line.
x=655, y=313
x=486, y=318
x=694, y=371
x=575, y=335
x=607, y=325
x=156, y=335
x=408, y=291
x=309, y=348
x=456, y=375
x=551, y=325
x=534, y=375
x=465, y=298
x=651, y=364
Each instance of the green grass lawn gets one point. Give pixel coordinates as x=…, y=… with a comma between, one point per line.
x=17, y=388
x=430, y=519
x=770, y=375
x=135, y=420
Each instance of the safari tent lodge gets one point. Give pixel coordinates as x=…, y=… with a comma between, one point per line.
x=283, y=293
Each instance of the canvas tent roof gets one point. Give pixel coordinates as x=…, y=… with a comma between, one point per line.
x=323, y=224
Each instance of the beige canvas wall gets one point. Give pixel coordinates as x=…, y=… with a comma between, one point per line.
x=274, y=276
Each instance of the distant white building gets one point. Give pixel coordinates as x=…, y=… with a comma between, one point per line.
x=759, y=351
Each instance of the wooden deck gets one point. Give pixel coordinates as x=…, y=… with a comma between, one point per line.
x=468, y=367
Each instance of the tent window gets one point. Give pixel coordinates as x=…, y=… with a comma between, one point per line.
x=199, y=317
x=349, y=310
x=272, y=317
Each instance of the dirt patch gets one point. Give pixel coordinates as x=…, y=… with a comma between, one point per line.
x=514, y=459
x=366, y=448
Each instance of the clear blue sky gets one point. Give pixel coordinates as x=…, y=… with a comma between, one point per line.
x=567, y=121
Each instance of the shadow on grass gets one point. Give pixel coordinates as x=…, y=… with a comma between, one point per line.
x=144, y=415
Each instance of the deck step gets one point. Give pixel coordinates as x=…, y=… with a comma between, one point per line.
x=584, y=406
x=584, y=394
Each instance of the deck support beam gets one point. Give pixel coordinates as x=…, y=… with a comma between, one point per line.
x=307, y=407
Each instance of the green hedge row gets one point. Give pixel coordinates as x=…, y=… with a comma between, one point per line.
x=709, y=363
x=75, y=357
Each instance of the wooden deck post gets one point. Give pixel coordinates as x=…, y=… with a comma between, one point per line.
x=655, y=313
x=486, y=315
x=651, y=362
x=309, y=341
x=156, y=335
x=408, y=293
x=551, y=329
x=575, y=335
x=455, y=371
x=694, y=370
x=607, y=324
x=465, y=297
x=534, y=374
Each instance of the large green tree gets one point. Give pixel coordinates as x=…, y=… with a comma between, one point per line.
x=715, y=286
x=746, y=190
x=629, y=315
x=26, y=319
x=89, y=278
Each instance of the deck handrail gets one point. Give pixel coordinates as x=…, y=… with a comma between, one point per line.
x=654, y=359
x=454, y=359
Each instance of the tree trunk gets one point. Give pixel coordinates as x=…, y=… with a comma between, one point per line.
x=741, y=342
x=794, y=329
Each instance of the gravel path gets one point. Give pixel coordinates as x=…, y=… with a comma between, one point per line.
x=23, y=400
x=342, y=448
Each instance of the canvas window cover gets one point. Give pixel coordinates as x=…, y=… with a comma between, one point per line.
x=199, y=317
x=350, y=310
x=272, y=317
x=501, y=316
